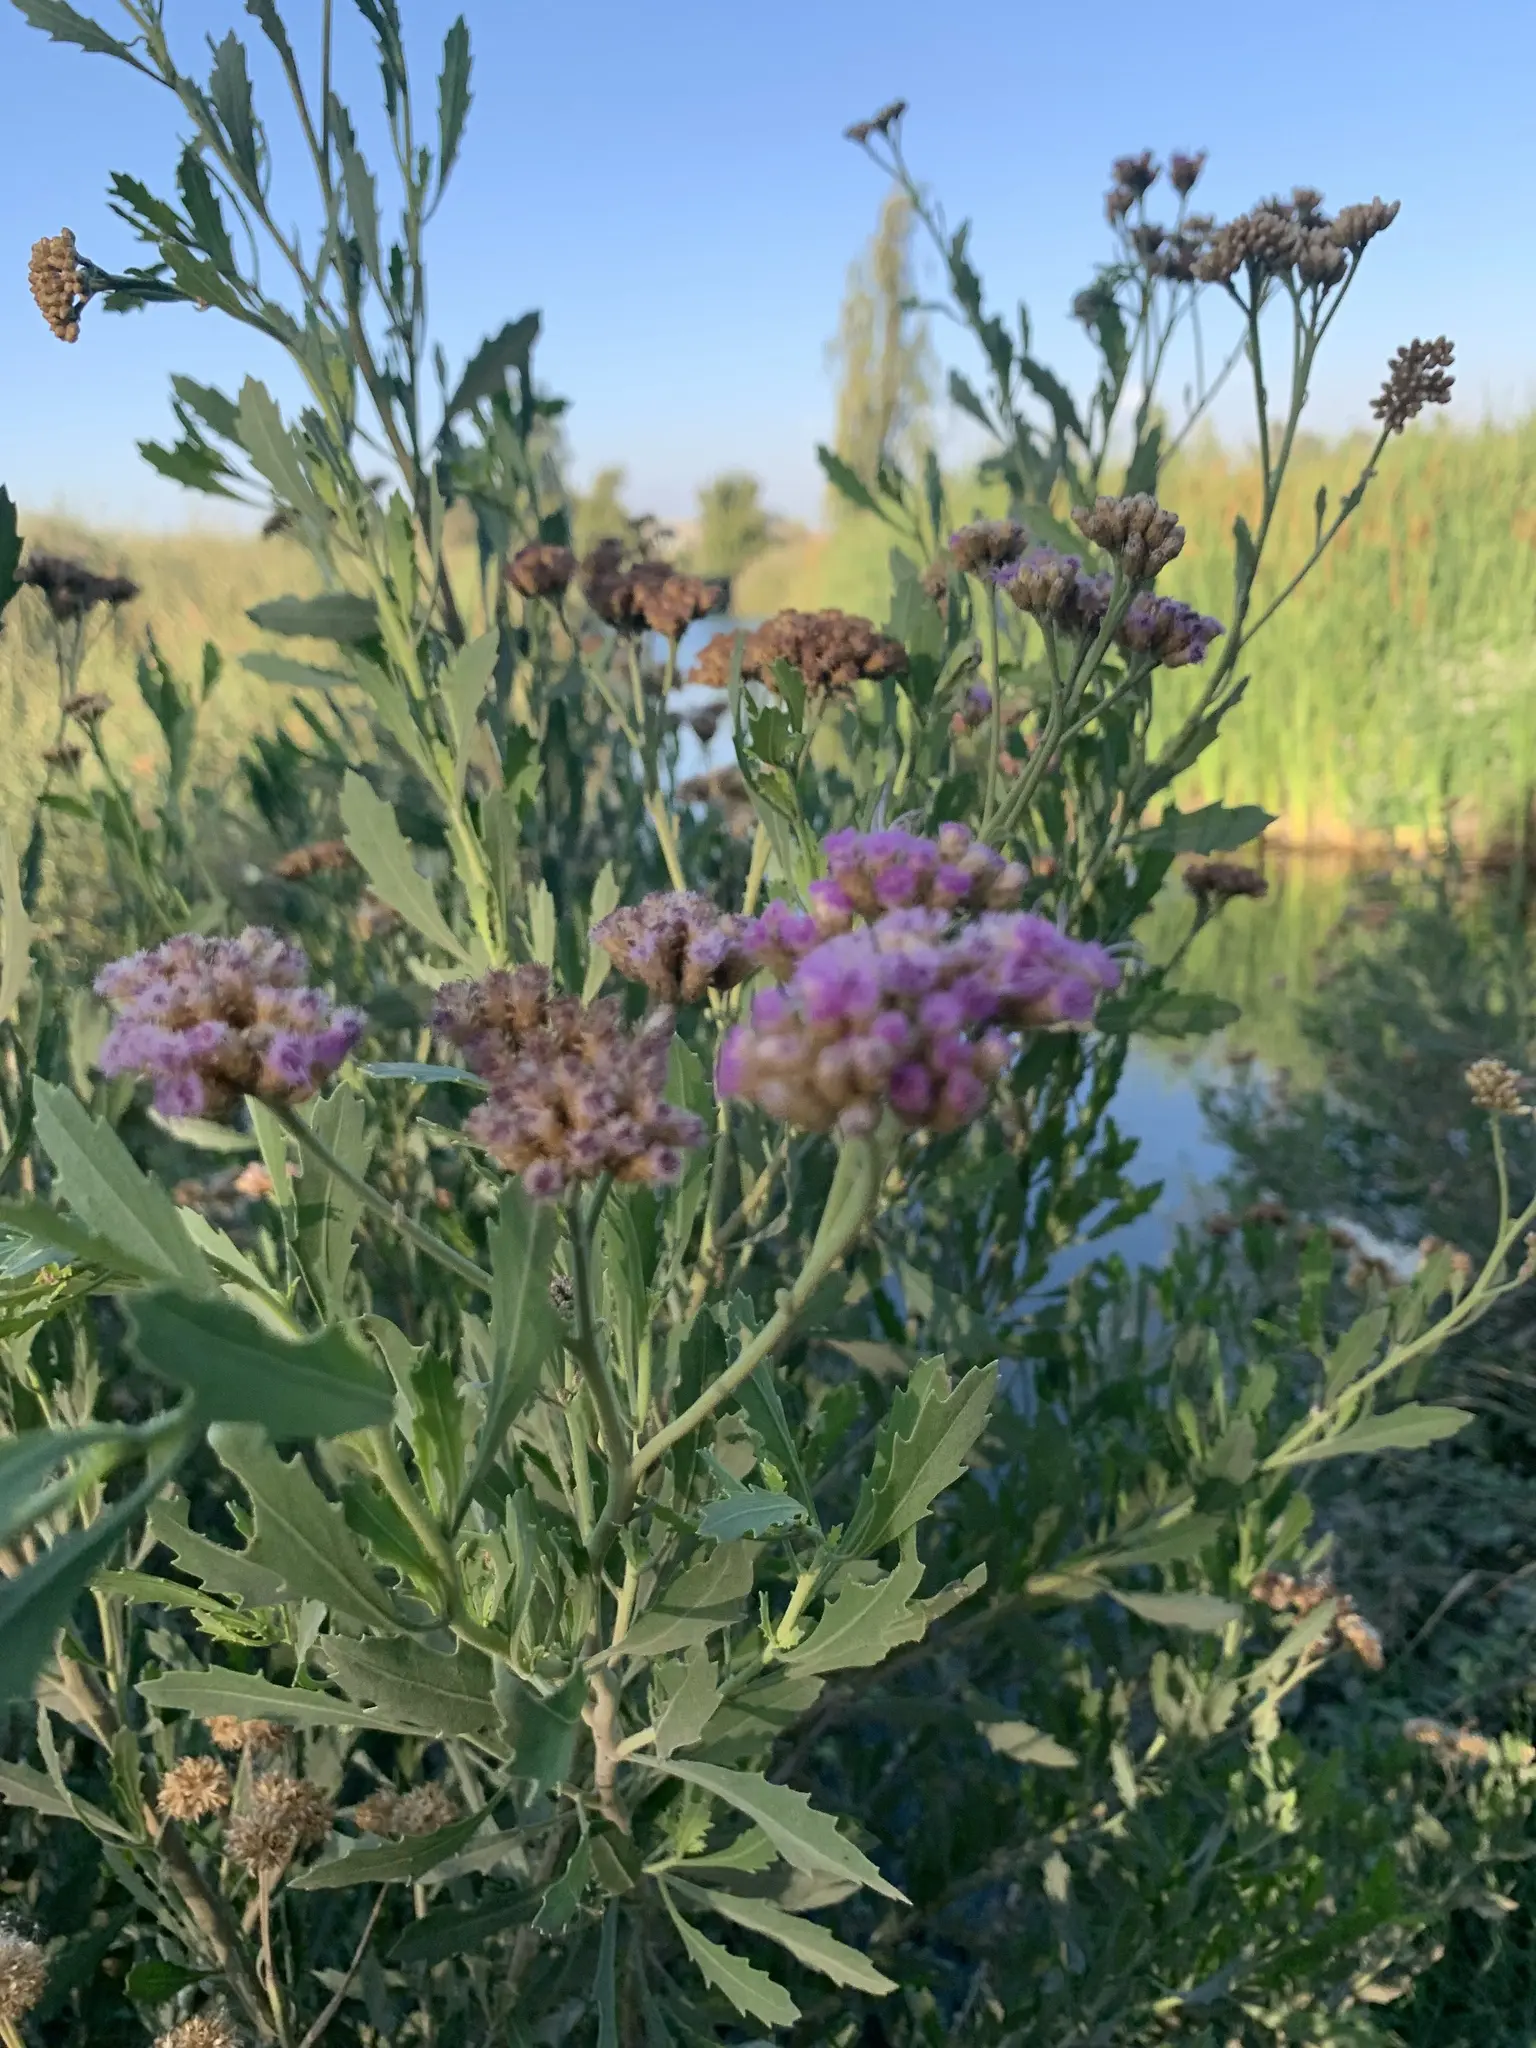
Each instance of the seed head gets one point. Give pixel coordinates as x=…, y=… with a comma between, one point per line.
x=23, y=1975
x=87, y=707
x=677, y=944
x=987, y=545
x=375, y=1815
x=1138, y=174
x=1138, y=532
x=286, y=1815
x=1418, y=375
x=228, y=1732
x=1354, y=226
x=878, y=124
x=832, y=650
x=425, y=1809
x=1497, y=1088
x=210, y=1020
x=639, y=596
x=320, y=857
x=66, y=755
x=541, y=570
x=194, y=1788
x=1184, y=171
x=1266, y=242
x=58, y=284
x=1222, y=880
x=211, y=2029
x=71, y=588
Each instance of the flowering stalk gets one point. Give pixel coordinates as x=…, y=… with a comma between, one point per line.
x=619, y=1503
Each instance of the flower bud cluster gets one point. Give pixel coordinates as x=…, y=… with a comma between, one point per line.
x=71, y=588
x=211, y=2029
x=285, y=1815
x=832, y=650
x=869, y=873
x=1054, y=587
x=1172, y=632
x=210, y=1020
x=1221, y=880
x=1418, y=375
x=421, y=1811
x=1282, y=236
x=986, y=545
x=573, y=1094
x=676, y=944
x=1139, y=533
x=1497, y=1088
x=57, y=284
x=541, y=570
x=646, y=595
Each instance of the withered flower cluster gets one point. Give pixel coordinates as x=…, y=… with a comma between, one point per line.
x=1497, y=1088
x=1293, y=238
x=1285, y=1594
x=724, y=790
x=987, y=545
x=194, y=1788
x=72, y=589
x=57, y=283
x=319, y=857
x=676, y=944
x=1221, y=880
x=87, y=707
x=831, y=649
x=573, y=1094
x=1418, y=375
x=285, y=1815
x=23, y=1975
x=1137, y=532
x=878, y=124
x=421, y=1811
x=541, y=570
x=635, y=597
x=211, y=2029
x=260, y=1738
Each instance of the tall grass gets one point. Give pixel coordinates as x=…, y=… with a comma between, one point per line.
x=1400, y=678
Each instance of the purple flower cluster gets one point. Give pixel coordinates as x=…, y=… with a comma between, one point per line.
x=906, y=1012
x=1172, y=632
x=210, y=1020
x=573, y=1095
x=1055, y=589
x=677, y=944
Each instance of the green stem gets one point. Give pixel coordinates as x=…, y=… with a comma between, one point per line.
x=589, y=1363
x=387, y=1211
x=994, y=683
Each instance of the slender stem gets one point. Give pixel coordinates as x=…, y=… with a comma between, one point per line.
x=994, y=683
x=589, y=1363
x=268, y=1962
x=338, y=1995
x=757, y=870
x=387, y=1211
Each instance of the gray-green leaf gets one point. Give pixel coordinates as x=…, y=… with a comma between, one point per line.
x=752, y=1991
x=803, y=1837
x=812, y=1944
x=109, y=1194
x=381, y=850
x=338, y=615
x=389, y=1862
x=1408, y=1428
x=921, y=1450
x=706, y=1597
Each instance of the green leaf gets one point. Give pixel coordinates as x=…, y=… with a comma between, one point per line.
x=486, y=372
x=453, y=98
x=240, y=1371
x=750, y=1990
x=462, y=687
x=451, y=1931
x=157, y=1982
x=751, y=1854
x=420, y=1071
x=963, y=394
x=409, y=1687
x=921, y=1450
x=38, y=1602
x=326, y=1210
x=543, y=1729
x=381, y=850
x=28, y=1459
x=1178, y=1536
x=706, y=1597
x=229, y=87
x=289, y=674
x=17, y=930
x=847, y=483
x=20, y=1785
x=1217, y=828
x=525, y=1329
x=1023, y=1744
x=390, y=1862
x=300, y=1535
x=1247, y=553
x=563, y=1897
x=863, y=1623
x=337, y=615
x=685, y=1693
x=59, y=1238
x=1355, y=1350
x=1202, y=1611
x=811, y=1944
x=803, y=1837
x=206, y=215
x=61, y=24
x=216, y=1569
x=242, y=1693
x=760, y=1402
x=541, y=923
x=275, y=455
x=1408, y=1428
x=362, y=199
x=605, y=897
x=1167, y=1013
x=754, y=1511
x=106, y=1190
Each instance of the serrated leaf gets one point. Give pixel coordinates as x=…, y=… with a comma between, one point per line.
x=106, y=1190
x=1355, y=1350
x=215, y=1568
x=760, y=1402
x=28, y=1459
x=753, y=1511
x=1022, y=1743
x=390, y=1862
x=409, y=1687
x=337, y=615
x=863, y=1623
x=206, y=216
x=1408, y=1428
x=229, y=86
x=1184, y=1536
x=750, y=1990
x=274, y=454
x=803, y=1837
x=381, y=850
x=543, y=1729
x=240, y=1371
x=541, y=923
x=525, y=1328
x=39, y=1601
x=249, y=1698
x=362, y=199
x=563, y=1897
x=485, y=374
x=1202, y=1611
x=812, y=1945
x=63, y=24
x=450, y=1931
x=462, y=687
x=685, y=1693
x=21, y=1786
x=920, y=1451
x=300, y=1535
x=847, y=483
x=326, y=1210
x=453, y=98
x=707, y=1596
x=1216, y=828
x=751, y=1853
x=195, y=468
x=289, y=674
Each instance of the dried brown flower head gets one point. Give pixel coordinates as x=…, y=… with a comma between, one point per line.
x=831, y=649
x=320, y=857
x=1222, y=880
x=724, y=790
x=1184, y=171
x=285, y=1816
x=541, y=570
x=57, y=283
x=1138, y=174
x=1138, y=532
x=253, y=1181
x=194, y=1788
x=878, y=124
x=1264, y=242
x=23, y=1975
x=562, y=1293
x=228, y=1732
x=1496, y=1087
x=66, y=755
x=375, y=1815
x=1418, y=375
x=425, y=1809
x=670, y=602
x=211, y=2029
x=1354, y=226
x=71, y=588
x=676, y=944
x=1285, y=1594
x=87, y=707
x=986, y=545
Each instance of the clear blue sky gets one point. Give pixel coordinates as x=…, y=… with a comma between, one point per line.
x=671, y=187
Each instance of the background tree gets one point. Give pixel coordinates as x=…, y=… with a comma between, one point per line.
x=882, y=355
x=734, y=525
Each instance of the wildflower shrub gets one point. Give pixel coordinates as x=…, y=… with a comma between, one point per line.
x=447, y=1587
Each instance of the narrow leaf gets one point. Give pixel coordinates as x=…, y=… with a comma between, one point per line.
x=381, y=850
x=708, y=1596
x=462, y=686
x=1202, y=1611
x=62, y=24
x=1024, y=1744
x=390, y=1862
x=754, y=1511
x=921, y=1451
x=333, y=615
x=109, y=1194
x=242, y=1693
x=750, y=1990
x=453, y=98
x=273, y=452
x=813, y=1945
x=803, y=1837
x=1408, y=1428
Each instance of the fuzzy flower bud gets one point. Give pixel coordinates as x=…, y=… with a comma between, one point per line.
x=541, y=570
x=1172, y=632
x=210, y=1020
x=210, y=2029
x=1184, y=171
x=57, y=283
x=987, y=545
x=832, y=650
x=677, y=944
x=1353, y=226
x=286, y=1815
x=87, y=707
x=1139, y=533
x=1053, y=588
x=194, y=1788
x=23, y=1975
x=229, y=1733
x=1221, y=880
x=1497, y=1088
x=1418, y=375
x=1138, y=174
